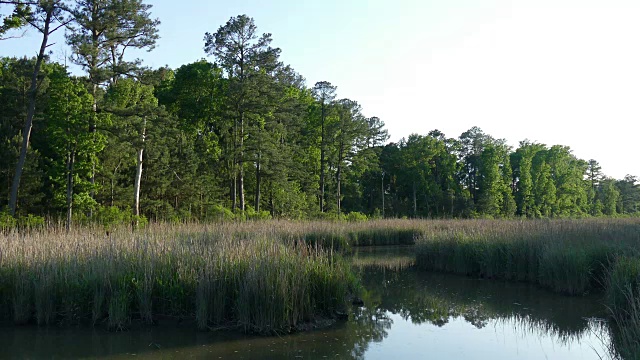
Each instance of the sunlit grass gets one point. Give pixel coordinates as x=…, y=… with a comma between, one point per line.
x=260, y=283
x=270, y=277
x=574, y=257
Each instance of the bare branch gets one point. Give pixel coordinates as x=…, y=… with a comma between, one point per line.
x=14, y=36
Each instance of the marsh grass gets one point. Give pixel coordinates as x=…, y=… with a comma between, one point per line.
x=395, y=259
x=573, y=257
x=270, y=277
x=335, y=235
x=341, y=238
x=263, y=283
x=567, y=256
x=623, y=303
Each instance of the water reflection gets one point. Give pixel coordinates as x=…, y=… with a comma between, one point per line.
x=396, y=290
x=408, y=314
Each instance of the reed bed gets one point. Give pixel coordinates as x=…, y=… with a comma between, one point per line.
x=333, y=234
x=567, y=256
x=574, y=257
x=270, y=277
x=623, y=303
x=259, y=283
x=398, y=263
x=395, y=259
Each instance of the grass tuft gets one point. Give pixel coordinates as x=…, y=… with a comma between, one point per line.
x=255, y=279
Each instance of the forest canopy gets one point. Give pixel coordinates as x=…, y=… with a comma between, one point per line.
x=239, y=134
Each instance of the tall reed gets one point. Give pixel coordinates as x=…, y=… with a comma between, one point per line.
x=568, y=256
x=623, y=303
x=261, y=283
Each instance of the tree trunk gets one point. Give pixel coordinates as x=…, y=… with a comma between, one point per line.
x=382, y=192
x=92, y=131
x=452, y=199
x=26, y=132
x=258, y=179
x=233, y=170
x=240, y=141
x=136, y=185
x=415, y=201
x=338, y=176
x=271, y=203
x=322, y=160
x=113, y=180
x=233, y=185
x=93, y=67
x=71, y=156
x=241, y=164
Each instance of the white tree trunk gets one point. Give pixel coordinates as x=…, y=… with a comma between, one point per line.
x=136, y=186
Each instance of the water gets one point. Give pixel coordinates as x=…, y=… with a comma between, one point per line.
x=408, y=315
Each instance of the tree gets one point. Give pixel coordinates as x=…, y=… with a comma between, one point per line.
x=245, y=57
x=363, y=175
x=610, y=197
x=15, y=81
x=523, y=175
x=594, y=176
x=270, y=141
x=325, y=94
x=101, y=34
x=350, y=135
x=495, y=195
x=472, y=143
x=544, y=190
x=71, y=146
x=418, y=181
x=195, y=95
x=137, y=107
x=567, y=173
x=16, y=19
x=46, y=17
x=629, y=194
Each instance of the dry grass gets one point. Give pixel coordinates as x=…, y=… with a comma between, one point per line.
x=259, y=281
x=269, y=277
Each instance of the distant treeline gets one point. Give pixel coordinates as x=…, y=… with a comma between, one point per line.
x=242, y=136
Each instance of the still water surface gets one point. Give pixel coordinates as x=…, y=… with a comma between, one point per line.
x=408, y=314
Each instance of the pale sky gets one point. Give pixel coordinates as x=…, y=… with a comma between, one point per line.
x=554, y=71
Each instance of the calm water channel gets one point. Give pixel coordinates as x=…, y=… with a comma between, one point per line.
x=408, y=315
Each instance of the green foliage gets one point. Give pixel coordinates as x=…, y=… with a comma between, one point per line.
x=495, y=197
x=355, y=216
x=70, y=147
x=7, y=222
x=221, y=213
x=112, y=217
x=28, y=222
x=31, y=222
x=251, y=214
x=16, y=19
x=101, y=32
x=244, y=139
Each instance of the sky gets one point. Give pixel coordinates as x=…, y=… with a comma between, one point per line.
x=553, y=71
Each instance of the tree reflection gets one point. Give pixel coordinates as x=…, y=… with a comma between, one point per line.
x=393, y=286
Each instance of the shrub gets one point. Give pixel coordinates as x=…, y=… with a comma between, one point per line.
x=355, y=216
x=221, y=213
x=7, y=222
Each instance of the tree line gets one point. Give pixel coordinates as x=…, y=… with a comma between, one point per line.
x=239, y=135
